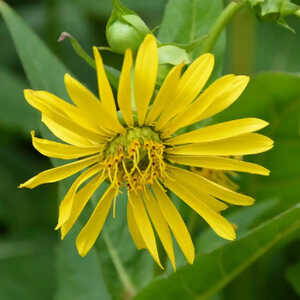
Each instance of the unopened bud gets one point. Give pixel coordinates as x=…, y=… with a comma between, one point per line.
x=125, y=29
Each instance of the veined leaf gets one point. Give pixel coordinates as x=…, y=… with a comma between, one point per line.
x=78, y=278
x=293, y=276
x=16, y=113
x=243, y=218
x=188, y=20
x=210, y=273
x=26, y=268
x=46, y=72
x=275, y=10
x=42, y=68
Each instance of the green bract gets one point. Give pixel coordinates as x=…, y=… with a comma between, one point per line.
x=169, y=56
x=275, y=10
x=140, y=134
x=124, y=29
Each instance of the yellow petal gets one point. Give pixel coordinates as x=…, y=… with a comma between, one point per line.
x=66, y=135
x=59, y=173
x=105, y=92
x=249, y=143
x=133, y=228
x=160, y=225
x=40, y=99
x=201, y=195
x=80, y=200
x=90, y=232
x=166, y=92
x=217, y=222
x=195, y=181
x=58, y=150
x=144, y=225
x=229, y=95
x=219, y=131
x=86, y=101
x=195, y=77
x=219, y=163
x=145, y=74
x=175, y=222
x=222, y=93
x=108, y=107
x=80, y=95
x=50, y=111
x=190, y=85
x=66, y=204
x=124, y=90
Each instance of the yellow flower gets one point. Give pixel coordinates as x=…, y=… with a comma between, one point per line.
x=138, y=151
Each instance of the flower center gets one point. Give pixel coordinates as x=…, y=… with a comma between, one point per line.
x=135, y=158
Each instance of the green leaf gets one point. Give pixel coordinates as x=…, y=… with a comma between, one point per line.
x=255, y=2
x=42, y=68
x=207, y=240
x=275, y=10
x=26, y=268
x=210, y=273
x=118, y=11
x=23, y=209
x=265, y=279
x=293, y=276
x=46, y=72
x=244, y=218
x=78, y=278
x=278, y=50
x=17, y=113
x=188, y=20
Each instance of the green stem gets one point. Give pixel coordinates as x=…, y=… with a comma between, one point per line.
x=231, y=9
x=124, y=277
x=77, y=48
x=112, y=74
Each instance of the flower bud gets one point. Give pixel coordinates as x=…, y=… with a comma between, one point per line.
x=125, y=29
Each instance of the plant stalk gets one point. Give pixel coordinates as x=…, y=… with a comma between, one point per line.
x=124, y=277
x=227, y=14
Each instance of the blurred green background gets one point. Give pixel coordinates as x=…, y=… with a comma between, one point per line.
x=28, y=243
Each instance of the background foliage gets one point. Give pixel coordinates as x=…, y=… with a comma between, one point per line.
x=264, y=262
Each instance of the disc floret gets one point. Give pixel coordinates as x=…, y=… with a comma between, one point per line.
x=135, y=159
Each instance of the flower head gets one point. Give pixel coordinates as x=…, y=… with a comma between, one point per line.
x=140, y=151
